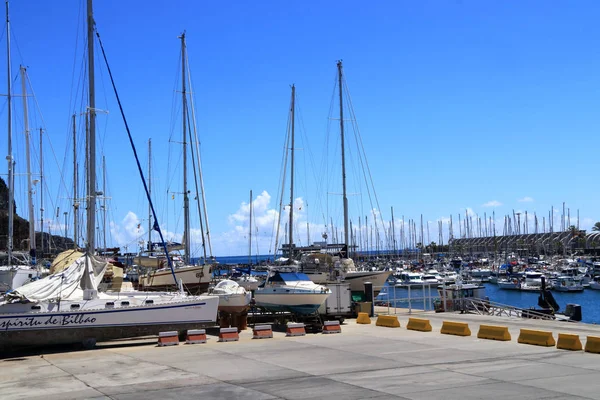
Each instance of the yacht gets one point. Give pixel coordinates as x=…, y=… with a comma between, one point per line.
x=67, y=307
x=409, y=278
x=291, y=291
x=595, y=283
x=509, y=284
x=568, y=284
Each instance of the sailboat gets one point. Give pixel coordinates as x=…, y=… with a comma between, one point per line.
x=196, y=278
x=341, y=266
x=67, y=307
x=243, y=276
x=11, y=274
x=286, y=289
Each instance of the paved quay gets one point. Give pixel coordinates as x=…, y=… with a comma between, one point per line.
x=363, y=362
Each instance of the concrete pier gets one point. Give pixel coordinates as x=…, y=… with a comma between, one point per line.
x=363, y=362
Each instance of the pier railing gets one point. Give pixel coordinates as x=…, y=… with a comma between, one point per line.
x=406, y=299
x=486, y=307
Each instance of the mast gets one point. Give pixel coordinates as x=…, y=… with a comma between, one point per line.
x=41, y=193
x=104, y=202
x=250, y=233
x=32, y=255
x=291, y=223
x=9, y=157
x=149, y=193
x=186, y=200
x=91, y=145
x=344, y=195
x=75, y=194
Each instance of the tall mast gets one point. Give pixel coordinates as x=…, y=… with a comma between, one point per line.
x=9, y=157
x=32, y=255
x=91, y=146
x=41, y=193
x=345, y=198
x=250, y=232
x=186, y=200
x=291, y=223
x=75, y=194
x=104, y=202
x=149, y=193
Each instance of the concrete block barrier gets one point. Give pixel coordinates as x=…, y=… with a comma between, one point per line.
x=592, y=344
x=419, y=324
x=332, y=327
x=537, y=338
x=390, y=321
x=195, y=336
x=568, y=342
x=363, y=318
x=493, y=332
x=455, y=328
x=262, y=332
x=295, y=329
x=170, y=338
x=228, y=335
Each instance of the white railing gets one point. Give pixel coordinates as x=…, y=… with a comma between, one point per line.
x=417, y=297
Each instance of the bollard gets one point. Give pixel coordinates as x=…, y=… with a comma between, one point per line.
x=369, y=297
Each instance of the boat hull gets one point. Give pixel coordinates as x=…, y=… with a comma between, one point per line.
x=196, y=279
x=235, y=303
x=357, y=280
x=50, y=328
x=297, y=303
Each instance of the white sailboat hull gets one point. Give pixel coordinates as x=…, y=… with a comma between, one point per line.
x=100, y=319
x=358, y=279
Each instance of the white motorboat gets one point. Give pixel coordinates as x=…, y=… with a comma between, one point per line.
x=66, y=307
x=291, y=291
x=233, y=298
x=409, y=278
x=568, y=284
x=509, y=284
x=595, y=283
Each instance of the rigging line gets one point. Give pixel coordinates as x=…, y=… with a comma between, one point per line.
x=197, y=145
x=37, y=106
x=360, y=145
x=282, y=176
x=194, y=156
x=156, y=224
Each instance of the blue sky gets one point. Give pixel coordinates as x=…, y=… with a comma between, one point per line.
x=459, y=104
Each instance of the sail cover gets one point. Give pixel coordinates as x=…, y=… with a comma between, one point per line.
x=84, y=273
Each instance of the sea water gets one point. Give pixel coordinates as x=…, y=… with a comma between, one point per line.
x=589, y=299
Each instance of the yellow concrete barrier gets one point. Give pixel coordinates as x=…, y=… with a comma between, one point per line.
x=455, y=328
x=538, y=338
x=390, y=321
x=419, y=324
x=568, y=342
x=493, y=332
x=363, y=318
x=592, y=344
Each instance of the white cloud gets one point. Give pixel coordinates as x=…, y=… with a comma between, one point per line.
x=127, y=232
x=492, y=203
x=526, y=199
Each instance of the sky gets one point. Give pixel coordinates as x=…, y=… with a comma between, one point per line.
x=462, y=107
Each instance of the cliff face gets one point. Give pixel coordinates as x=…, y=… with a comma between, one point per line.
x=21, y=230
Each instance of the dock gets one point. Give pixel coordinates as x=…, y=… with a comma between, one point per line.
x=361, y=362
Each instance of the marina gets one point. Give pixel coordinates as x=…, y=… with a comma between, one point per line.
x=472, y=272
x=364, y=361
